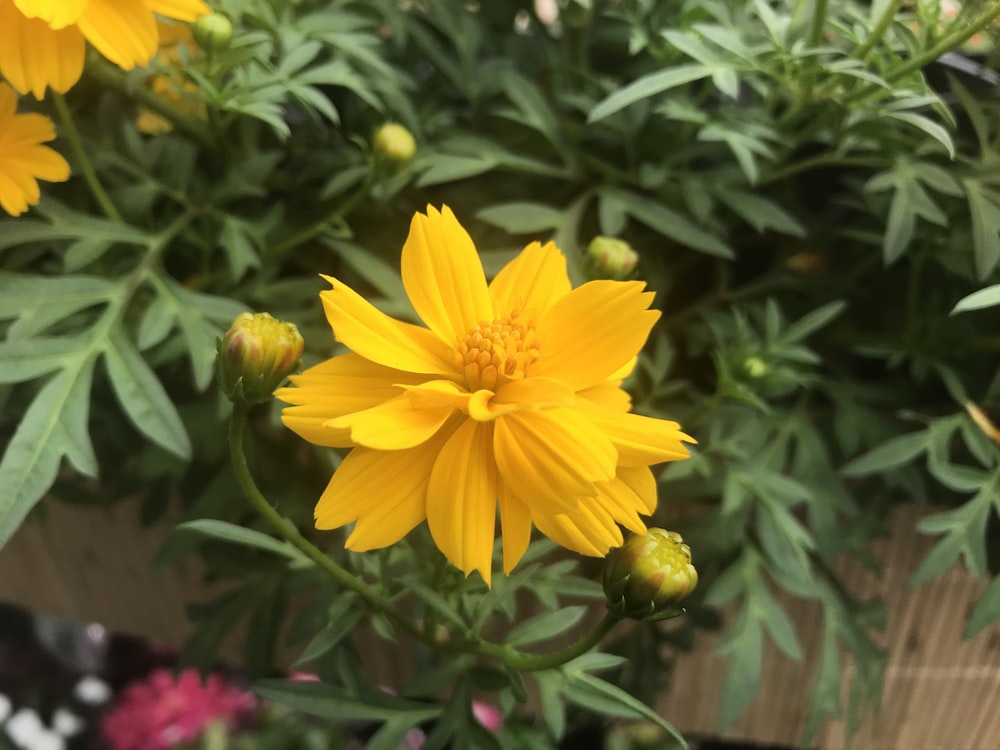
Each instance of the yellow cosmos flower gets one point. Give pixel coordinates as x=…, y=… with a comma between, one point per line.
x=174, y=87
x=23, y=159
x=42, y=42
x=510, y=396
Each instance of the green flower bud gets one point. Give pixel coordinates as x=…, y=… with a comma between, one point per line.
x=213, y=32
x=648, y=575
x=256, y=355
x=394, y=143
x=611, y=258
x=755, y=367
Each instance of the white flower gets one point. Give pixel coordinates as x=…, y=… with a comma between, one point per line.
x=4, y=707
x=92, y=690
x=66, y=723
x=46, y=740
x=25, y=728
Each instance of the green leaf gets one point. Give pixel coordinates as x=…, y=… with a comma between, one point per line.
x=984, y=208
x=521, y=217
x=988, y=297
x=448, y=168
x=927, y=125
x=31, y=358
x=229, y=532
x=545, y=626
x=344, y=616
x=745, y=647
x=812, y=322
x=142, y=396
x=553, y=707
x=39, y=301
x=66, y=223
x=340, y=704
x=760, y=213
x=890, y=455
x=669, y=223
x=986, y=612
x=647, y=86
x=54, y=425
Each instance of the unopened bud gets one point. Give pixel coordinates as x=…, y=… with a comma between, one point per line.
x=648, y=575
x=213, y=32
x=755, y=367
x=394, y=143
x=611, y=258
x=256, y=355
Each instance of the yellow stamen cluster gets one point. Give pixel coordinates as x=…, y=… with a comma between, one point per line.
x=493, y=353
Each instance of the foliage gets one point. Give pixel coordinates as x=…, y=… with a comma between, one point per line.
x=810, y=195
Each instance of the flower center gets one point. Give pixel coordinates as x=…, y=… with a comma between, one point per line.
x=493, y=353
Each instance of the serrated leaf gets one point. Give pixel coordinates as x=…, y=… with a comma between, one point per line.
x=545, y=626
x=647, y=86
x=28, y=359
x=43, y=436
x=142, y=396
x=39, y=301
x=896, y=452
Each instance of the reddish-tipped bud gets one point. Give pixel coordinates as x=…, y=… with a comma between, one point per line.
x=256, y=355
x=649, y=575
x=611, y=258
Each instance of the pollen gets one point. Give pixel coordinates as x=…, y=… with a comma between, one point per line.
x=496, y=352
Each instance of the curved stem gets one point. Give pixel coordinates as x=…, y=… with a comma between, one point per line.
x=536, y=662
x=73, y=135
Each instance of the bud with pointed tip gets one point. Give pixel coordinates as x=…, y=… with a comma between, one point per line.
x=256, y=355
x=649, y=575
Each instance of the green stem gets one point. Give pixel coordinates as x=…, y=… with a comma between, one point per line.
x=536, y=662
x=511, y=657
x=818, y=23
x=336, y=215
x=881, y=26
x=822, y=160
x=83, y=161
x=112, y=76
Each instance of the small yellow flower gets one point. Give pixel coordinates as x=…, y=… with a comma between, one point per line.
x=23, y=158
x=256, y=355
x=42, y=42
x=174, y=87
x=511, y=395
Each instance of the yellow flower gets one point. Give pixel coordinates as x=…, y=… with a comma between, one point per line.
x=23, y=158
x=511, y=395
x=42, y=41
x=173, y=87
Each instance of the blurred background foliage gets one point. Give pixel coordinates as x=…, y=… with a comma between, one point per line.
x=811, y=189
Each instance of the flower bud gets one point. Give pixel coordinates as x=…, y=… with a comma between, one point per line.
x=648, y=575
x=394, y=143
x=755, y=367
x=255, y=355
x=213, y=32
x=611, y=258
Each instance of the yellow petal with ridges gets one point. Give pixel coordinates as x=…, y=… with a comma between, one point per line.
x=34, y=56
x=589, y=530
x=443, y=275
x=608, y=395
x=552, y=458
x=312, y=423
x=515, y=527
x=377, y=337
x=640, y=480
x=56, y=13
x=394, y=424
x=181, y=10
x=623, y=502
x=640, y=440
x=530, y=393
x=594, y=331
x=462, y=499
x=532, y=282
x=124, y=31
x=346, y=384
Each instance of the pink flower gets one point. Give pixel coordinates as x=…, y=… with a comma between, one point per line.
x=488, y=715
x=164, y=710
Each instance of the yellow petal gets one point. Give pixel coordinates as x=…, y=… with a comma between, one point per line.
x=443, y=275
x=56, y=13
x=124, y=31
x=532, y=282
x=589, y=530
x=640, y=440
x=551, y=458
x=530, y=393
x=384, y=491
x=593, y=331
x=462, y=499
x=607, y=395
x=641, y=481
x=182, y=10
x=34, y=57
x=381, y=339
x=312, y=422
x=628, y=495
x=394, y=424
x=515, y=526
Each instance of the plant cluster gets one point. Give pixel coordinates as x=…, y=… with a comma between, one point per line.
x=810, y=188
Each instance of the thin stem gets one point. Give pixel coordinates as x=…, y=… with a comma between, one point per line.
x=336, y=215
x=83, y=161
x=822, y=160
x=881, y=26
x=818, y=23
x=535, y=662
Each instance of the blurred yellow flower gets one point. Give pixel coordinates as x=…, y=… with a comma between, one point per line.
x=42, y=41
x=171, y=87
x=23, y=159
x=510, y=395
